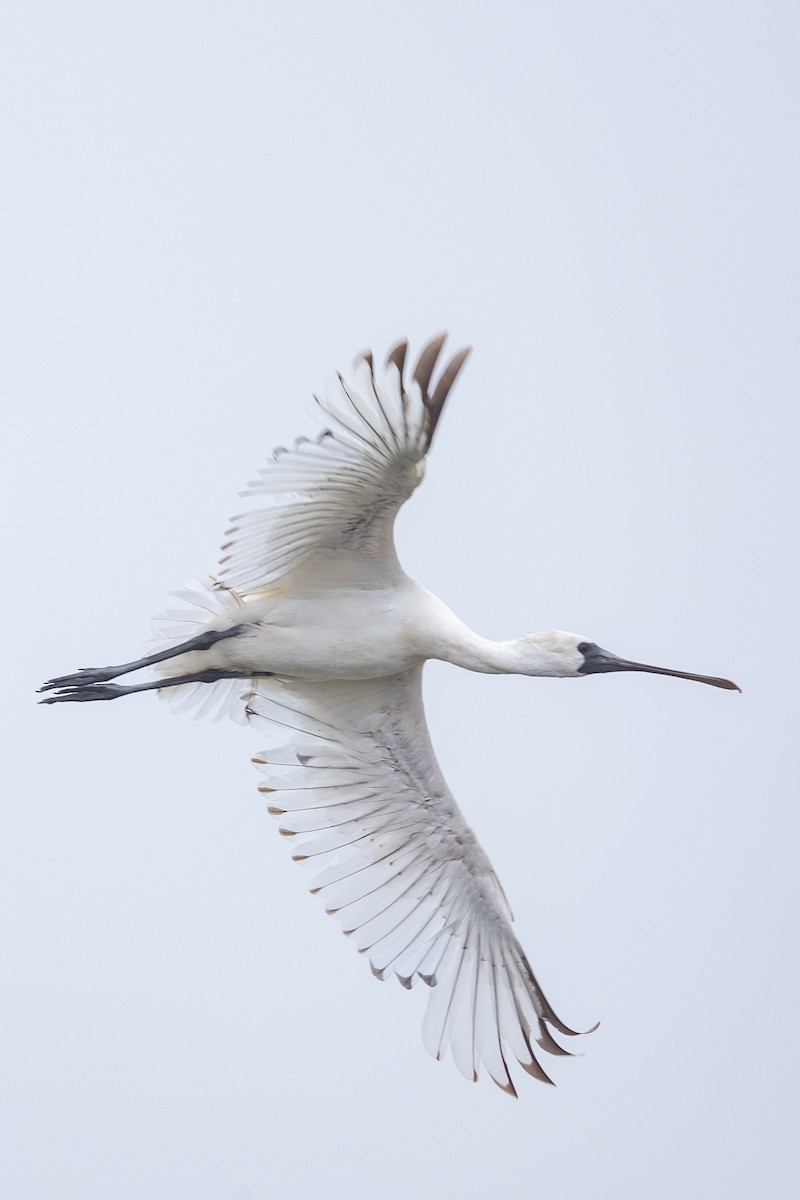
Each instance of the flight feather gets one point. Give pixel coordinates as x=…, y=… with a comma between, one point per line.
x=355, y=785
x=340, y=492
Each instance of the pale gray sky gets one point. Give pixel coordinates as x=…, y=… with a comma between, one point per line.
x=206, y=209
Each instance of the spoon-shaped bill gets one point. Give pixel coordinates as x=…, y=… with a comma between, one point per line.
x=597, y=660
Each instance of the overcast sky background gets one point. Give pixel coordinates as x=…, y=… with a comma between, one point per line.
x=206, y=209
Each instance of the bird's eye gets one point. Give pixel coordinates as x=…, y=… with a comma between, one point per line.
x=586, y=647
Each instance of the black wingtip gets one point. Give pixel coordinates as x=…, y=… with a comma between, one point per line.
x=397, y=357
x=443, y=388
x=426, y=363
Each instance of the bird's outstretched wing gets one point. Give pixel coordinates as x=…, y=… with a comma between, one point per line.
x=358, y=792
x=341, y=492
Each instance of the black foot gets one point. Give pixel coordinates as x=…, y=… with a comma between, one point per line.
x=110, y=691
x=91, y=675
x=80, y=678
x=81, y=694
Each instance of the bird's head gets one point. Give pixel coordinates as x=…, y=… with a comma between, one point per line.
x=570, y=655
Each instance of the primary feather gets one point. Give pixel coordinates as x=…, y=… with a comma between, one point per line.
x=341, y=491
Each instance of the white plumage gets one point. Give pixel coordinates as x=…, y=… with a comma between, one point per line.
x=312, y=630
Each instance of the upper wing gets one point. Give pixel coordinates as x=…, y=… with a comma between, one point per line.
x=357, y=788
x=341, y=492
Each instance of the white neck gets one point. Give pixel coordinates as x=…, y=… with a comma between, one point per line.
x=438, y=633
x=549, y=653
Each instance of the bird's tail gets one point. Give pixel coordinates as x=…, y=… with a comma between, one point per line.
x=188, y=613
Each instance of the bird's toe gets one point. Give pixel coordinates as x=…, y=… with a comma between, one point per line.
x=84, y=693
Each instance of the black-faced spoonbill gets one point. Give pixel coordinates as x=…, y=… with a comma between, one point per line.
x=312, y=629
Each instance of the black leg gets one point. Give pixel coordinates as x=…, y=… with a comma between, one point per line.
x=89, y=675
x=111, y=691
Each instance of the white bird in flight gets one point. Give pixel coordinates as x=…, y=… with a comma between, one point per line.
x=312, y=629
